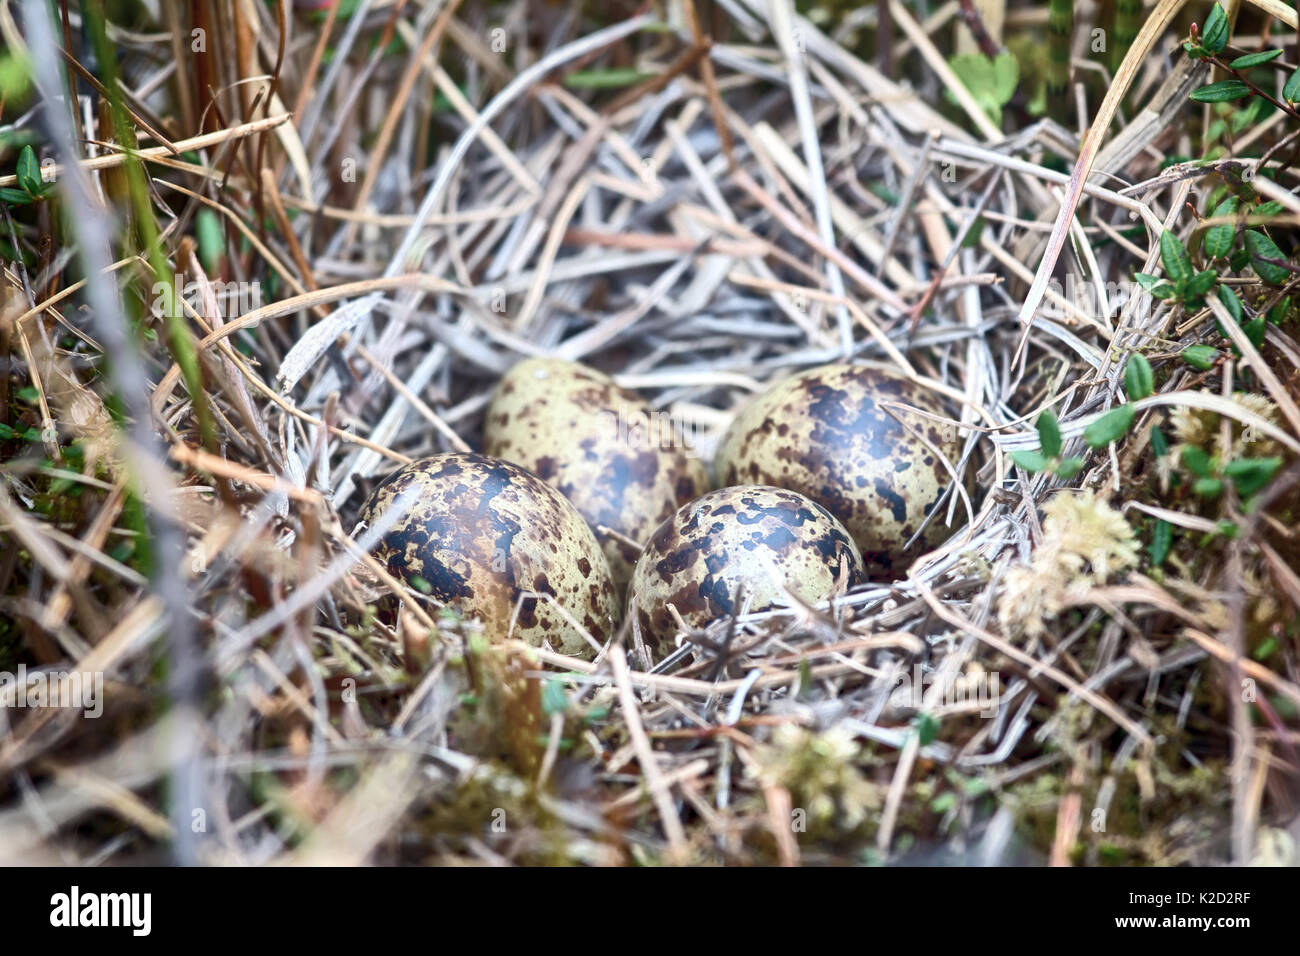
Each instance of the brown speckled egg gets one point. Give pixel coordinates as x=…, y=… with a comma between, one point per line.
x=481, y=532
x=825, y=434
x=766, y=540
x=602, y=446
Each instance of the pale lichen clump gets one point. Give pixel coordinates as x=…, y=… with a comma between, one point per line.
x=821, y=772
x=1086, y=542
x=1196, y=426
x=1200, y=428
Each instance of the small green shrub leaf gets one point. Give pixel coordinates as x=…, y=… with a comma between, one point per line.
x=1068, y=467
x=1178, y=265
x=29, y=172
x=1201, y=357
x=1159, y=444
x=1291, y=92
x=1221, y=92
x=1162, y=538
x=1250, y=475
x=1111, y=427
x=1218, y=239
x=1208, y=487
x=1139, y=380
x=1049, y=434
x=1231, y=302
x=1265, y=256
x=1030, y=461
x=1198, y=285
x=1255, y=331
x=1254, y=59
x=1198, y=461
x=1214, y=34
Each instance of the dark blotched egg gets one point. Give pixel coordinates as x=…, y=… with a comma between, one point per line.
x=766, y=541
x=482, y=532
x=619, y=462
x=827, y=434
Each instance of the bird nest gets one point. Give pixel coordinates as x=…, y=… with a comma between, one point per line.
x=282, y=256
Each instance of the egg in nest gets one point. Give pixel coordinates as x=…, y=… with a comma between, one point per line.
x=621, y=464
x=480, y=533
x=755, y=542
x=827, y=433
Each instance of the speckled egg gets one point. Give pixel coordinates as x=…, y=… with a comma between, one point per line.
x=481, y=532
x=603, y=447
x=826, y=433
x=768, y=541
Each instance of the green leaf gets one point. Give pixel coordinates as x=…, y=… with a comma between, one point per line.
x=1159, y=444
x=1262, y=249
x=975, y=71
x=1198, y=461
x=1178, y=265
x=29, y=172
x=1194, y=50
x=1221, y=92
x=1162, y=538
x=1231, y=302
x=992, y=82
x=1265, y=650
x=211, y=240
x=555, y=700
x=1006, y=74
x=1110, y=427
x=1255, y=331
x=1198, y=285
x=1214, y=34
x=943, y=802
x=1208, y=487
x=605, y=79
x=1218, y=239
x=1049, y=434
x=1030, y=461
x=927, y=727
x=1139, y=380
x=1146, y=280
x=1270, y=208
x=1279, y=311
x=806, y=681
x=1291, y=92
x=1254, y=59
x=1067, y=468
x=1250, y=475
x=1201, y=357
x=15, y=76
x=14, y=197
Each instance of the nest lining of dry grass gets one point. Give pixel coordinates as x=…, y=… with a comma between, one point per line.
x=757, y=208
